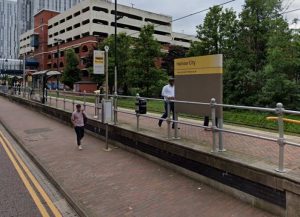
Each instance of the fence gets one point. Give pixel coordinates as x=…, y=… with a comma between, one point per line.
x=214, y=138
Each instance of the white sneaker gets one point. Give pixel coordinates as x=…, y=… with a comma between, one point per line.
x=80, y=147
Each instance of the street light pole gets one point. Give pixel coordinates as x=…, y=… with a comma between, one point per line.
x=116, y=60
x=24, y=73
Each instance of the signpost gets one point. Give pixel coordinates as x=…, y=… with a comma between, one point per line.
x=99, y=62
x=199, y=79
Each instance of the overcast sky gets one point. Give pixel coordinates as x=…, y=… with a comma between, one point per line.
x=179, y=8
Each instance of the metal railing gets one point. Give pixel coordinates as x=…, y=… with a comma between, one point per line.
x=90, y=101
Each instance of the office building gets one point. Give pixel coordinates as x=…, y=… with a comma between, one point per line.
x=28, y=8
x=8, y=30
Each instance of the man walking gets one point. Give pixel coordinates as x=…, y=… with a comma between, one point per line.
x=78, y=123
x=168, y=92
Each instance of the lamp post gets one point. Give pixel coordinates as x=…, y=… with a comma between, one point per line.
x=58, y=40
x=116, y=60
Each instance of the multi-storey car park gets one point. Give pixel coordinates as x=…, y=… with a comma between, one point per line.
x=83, y=25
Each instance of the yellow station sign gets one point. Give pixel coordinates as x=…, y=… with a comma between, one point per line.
x=211, y=64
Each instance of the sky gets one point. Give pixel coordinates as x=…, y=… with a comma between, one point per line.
x=179, y=8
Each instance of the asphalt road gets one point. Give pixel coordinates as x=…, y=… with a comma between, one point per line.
x=24, y=190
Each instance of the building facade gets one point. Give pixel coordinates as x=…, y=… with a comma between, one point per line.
x=28, y=8
x=84, y=25
x=9, y=46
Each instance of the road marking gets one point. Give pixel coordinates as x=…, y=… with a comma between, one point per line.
x=32, y=193
x=33, y=179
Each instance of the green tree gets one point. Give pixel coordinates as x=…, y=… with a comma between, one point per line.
x=71, y=70
x=143, y=73
x=174, y=53
x=124, y=50
x=282, y=69
x=245, y=75
x=217, y=34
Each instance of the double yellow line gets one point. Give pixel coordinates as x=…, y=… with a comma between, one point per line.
x=21, y=168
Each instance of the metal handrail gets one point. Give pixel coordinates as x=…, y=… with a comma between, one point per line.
x=279, y=111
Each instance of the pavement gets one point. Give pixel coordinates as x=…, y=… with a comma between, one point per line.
x=116, y=183
x=255, y=152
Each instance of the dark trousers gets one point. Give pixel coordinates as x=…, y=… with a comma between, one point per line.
x=165, y=115
x=79, y=134
x=206, y=121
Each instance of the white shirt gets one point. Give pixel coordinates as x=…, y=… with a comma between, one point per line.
x=168, y=91
x=77, y=117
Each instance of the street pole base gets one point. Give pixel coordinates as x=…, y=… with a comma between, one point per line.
x=107, y=149
x=95, y=117
x=222, y=150
x=280, y=171
x=214, y=151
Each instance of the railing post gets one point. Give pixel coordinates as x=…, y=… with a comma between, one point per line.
x=176, y=125
x=168, y=119
x=64, y=99
x=50, y=99
x=281, y=140
x=56, y=98
x=115, y=108
x=213, y=121
x=73, y=104
x=221, y=142
x=84, y=100
x=137, y=112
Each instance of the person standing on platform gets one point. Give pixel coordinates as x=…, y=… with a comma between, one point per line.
x=168, y=93
x=78, y=120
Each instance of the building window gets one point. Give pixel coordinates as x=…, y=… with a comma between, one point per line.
x=62, y=31
x=50, y=27
x=55, y=24
x=56, y=33
x=124, y=26
x=69, y=39
x=49, y=56
x=62, y=21
x=131, y=16
x=61, y=64
x=76, y=49
x=162, y=23
x=77, y=14
x=102, y=22
x=101, y=34
x=76, y=25
x=85, y=9
x=85, y=34
x=62, y=54
x=69, y=28
x=95, y=8
x=85, y=22
x=76, y=37
x=69, y=17
x=84, y=49
x=182, y=40
x=161, y=33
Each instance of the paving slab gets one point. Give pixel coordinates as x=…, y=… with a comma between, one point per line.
x=116, y=183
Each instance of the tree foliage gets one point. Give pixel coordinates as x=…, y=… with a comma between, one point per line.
x=71, y=72
x=261, y=53
x=143, y=73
